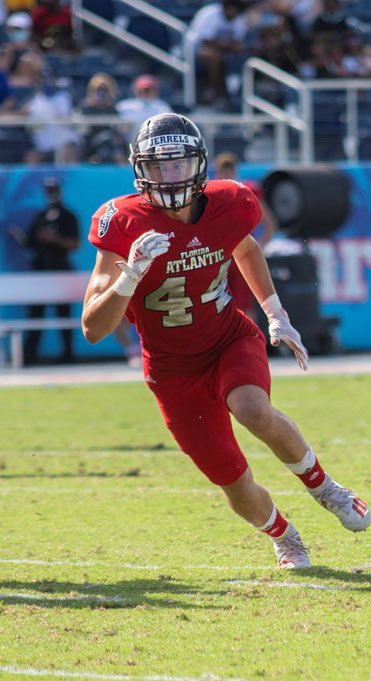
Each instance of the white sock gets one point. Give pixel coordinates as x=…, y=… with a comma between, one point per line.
x=269, y=522
x=275, y=523
x=304, y=465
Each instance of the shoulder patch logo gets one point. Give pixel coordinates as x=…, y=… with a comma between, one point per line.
x=105, y=219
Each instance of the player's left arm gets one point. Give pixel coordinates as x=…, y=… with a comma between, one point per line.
x=254, y=269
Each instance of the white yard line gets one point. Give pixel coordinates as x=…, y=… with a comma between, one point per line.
x=30, y=671
x=155, y=567
x=128, y=566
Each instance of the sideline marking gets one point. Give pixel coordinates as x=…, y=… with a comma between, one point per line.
x=111, y=677
x=117, y=372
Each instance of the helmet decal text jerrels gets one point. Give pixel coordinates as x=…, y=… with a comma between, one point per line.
x=105, y=219
x=160, y=140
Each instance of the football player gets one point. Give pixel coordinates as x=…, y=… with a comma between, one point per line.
x=162, y=261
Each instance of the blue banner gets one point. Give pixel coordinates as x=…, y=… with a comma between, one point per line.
x=344, y=260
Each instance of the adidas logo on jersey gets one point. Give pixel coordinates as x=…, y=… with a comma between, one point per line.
x=194, y=243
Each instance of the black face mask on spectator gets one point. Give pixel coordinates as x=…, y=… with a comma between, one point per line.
x=102, y=94
x=53, y=196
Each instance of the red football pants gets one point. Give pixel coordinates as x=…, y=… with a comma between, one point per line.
x=195, y=411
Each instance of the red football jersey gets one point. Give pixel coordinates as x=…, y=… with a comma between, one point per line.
x=182, y=308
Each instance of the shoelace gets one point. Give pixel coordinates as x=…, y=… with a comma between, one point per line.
x=335, y=497
x=291, y=547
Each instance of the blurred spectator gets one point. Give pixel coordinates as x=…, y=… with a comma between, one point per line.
x=353, y=61
x=101, y=94
x=337, y=42
x=145, y=104
x=22, y=64
x=21, y=58
x=50, y=141
x=18, y=28
x=332, y=20
x=365, y=61
x=226, y=167
x=218, y=32
x=327, y=57
x=52, y=236
x=52, y=26
x=102, y=143
x=281, y=44
x=303, y=12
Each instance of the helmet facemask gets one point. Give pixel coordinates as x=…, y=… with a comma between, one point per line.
x=170, y=175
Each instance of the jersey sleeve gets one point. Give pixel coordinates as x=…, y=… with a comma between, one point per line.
x=107, y=230
x=246, y=214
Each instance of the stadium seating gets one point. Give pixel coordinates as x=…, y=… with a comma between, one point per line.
x=124, y=63
x=14, y=143
x=329, y=124
x=359, y=8
x=183, y=9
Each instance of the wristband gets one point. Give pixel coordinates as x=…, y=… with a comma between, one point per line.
x=271, y=305
x=127, y=282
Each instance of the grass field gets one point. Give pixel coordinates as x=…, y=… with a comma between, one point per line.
x=120, y=561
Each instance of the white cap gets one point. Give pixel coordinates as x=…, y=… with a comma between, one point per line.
x=19, y=20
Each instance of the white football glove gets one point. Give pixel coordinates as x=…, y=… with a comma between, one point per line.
x=281, y=329
x=143, y=251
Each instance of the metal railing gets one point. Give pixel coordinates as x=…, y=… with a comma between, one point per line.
x=303, y=122
x=211, y=126
x=184, y=66
x=249, y=124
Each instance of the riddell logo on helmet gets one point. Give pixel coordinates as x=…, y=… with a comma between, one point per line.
x=170, y=148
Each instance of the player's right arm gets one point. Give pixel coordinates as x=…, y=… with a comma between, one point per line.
x=103, y=308
x=113, y=282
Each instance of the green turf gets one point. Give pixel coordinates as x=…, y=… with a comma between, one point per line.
x=90, y=480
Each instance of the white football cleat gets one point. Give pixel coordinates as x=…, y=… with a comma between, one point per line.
x=352, y=512
x=290, y=550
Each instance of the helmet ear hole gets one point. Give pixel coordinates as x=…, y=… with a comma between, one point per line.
x=169, y=159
